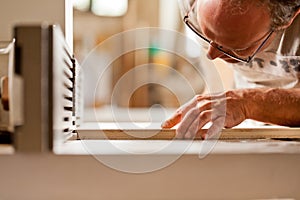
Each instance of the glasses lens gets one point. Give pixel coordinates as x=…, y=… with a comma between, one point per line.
x=185, y=6
x=189, y=11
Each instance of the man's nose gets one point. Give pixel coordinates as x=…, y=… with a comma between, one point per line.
x=213, y=53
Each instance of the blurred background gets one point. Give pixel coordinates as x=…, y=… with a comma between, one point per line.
x=133, y=53
x=97, y=22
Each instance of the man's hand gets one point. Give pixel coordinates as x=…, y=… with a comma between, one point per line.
x=223, y=110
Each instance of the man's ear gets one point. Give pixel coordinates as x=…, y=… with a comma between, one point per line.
x=291, y=21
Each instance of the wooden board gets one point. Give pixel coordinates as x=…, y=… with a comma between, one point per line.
x=169, y=134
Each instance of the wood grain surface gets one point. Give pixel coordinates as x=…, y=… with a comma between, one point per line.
x=169, y=134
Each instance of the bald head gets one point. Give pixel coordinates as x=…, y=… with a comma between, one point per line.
x=237, y=25
x=244, y=22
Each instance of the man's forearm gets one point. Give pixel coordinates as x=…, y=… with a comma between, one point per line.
x=276, y=106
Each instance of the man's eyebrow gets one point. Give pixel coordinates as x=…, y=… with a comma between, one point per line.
x=254, y=43
x=241, y=49
x=208, y=32
x=235, y=48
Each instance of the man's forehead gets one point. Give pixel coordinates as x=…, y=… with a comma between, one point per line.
x=227, y=12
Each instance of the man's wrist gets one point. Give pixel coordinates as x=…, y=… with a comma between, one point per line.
x=253, y=102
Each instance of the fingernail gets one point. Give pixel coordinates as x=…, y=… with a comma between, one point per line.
x=164, y=124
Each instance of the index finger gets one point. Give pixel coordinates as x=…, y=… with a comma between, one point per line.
x=180, y=113
x=175, y=119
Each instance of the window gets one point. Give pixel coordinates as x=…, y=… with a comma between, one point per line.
x=112, y=8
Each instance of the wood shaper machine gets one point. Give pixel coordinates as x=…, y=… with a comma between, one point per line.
x=40, y=89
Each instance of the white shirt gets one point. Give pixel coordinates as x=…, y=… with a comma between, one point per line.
x=276, y=66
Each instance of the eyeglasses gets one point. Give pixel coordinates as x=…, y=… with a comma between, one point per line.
x=190, y=19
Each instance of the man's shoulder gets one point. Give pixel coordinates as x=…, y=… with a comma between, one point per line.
x=290, y=39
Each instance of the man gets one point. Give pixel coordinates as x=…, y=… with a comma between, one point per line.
x=261, y=40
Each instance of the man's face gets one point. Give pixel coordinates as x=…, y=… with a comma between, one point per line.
x=239, y=30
